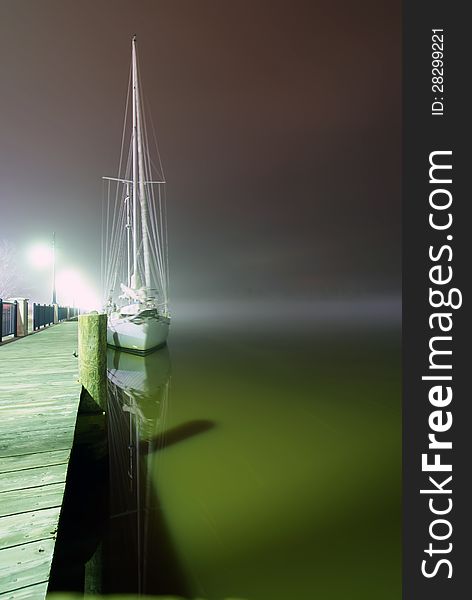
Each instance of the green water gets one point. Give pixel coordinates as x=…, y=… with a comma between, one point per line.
x=258, y=467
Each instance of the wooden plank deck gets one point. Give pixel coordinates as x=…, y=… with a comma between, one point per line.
x=39, y=399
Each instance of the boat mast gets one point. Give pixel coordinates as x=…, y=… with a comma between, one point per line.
x=128, y=235
x=135, y=165
x=142, y=191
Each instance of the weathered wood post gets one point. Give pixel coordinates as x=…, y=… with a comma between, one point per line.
x=91, y=440
x=92, y=344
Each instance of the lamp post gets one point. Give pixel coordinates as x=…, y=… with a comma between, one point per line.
x=54, y=267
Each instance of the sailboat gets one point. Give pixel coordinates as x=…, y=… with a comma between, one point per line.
x=134, y=236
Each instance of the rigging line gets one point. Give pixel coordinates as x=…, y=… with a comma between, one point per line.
x=157, y=247
x=109, y=201
x=117, y=256
x=108, y=218
x=115, y=267
x=162, y=215
x=118, y=197
x=109, y=256
x=151, y=162
x=112, y=232
x=114, y=220
x=124, y=194
x=166, y=246
x=161, y=224
x=163, y=274
x=117, y=242
x=155, y=238
x=158, y=239
x=117, y=235
x=113, y=263
x=158, y=264
x=112, y=250
x=155, y=142
x=121, y=240
x=160, y=259
x=150, y=192
x=122, y=147
x=157, y=277
x=106, y=202
x=124, y=122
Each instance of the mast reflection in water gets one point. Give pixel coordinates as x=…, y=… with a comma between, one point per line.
x=136, y=554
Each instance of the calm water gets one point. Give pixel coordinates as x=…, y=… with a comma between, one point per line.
x=257, y=467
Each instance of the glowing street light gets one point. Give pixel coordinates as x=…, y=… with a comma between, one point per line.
x=73, y=287
x=75, y=290
x=43, y=256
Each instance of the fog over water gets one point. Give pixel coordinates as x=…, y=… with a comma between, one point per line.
x=278, y=126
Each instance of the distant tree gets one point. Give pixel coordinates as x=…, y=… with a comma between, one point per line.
x=8, y=270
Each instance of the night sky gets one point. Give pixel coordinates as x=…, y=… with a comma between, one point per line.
x=278, y=125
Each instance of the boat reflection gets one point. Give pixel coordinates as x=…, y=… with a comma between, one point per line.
x=135, y=542
x=142, y=375
x=139, y=386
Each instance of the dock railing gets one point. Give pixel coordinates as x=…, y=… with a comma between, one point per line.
x=19, y=317
x=62, y=313
x=43, y=315
x=8, y=318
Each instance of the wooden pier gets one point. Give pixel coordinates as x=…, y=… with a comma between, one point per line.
x=39, y=400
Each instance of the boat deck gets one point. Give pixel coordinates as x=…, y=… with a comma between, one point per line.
x=39, y=400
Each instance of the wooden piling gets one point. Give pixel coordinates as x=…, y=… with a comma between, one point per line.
x=92, y=345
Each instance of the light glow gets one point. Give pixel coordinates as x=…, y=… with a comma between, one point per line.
x=41, y=256
x=73, y=289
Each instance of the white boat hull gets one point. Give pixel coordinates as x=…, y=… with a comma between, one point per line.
x=137, y=333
